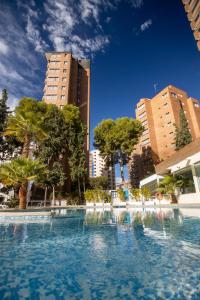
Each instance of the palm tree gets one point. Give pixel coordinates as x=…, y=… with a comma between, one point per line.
x=18, y=173
x=25, y=124
x=169, y=184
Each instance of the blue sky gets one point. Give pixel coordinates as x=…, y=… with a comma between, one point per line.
x=132, y=44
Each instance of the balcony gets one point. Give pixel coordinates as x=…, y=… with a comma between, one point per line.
x=197, y=35
x=198, y=45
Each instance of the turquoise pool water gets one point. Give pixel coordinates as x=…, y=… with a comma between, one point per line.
x=94, y=255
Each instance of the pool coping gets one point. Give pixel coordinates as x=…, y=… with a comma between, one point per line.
x=46, y=211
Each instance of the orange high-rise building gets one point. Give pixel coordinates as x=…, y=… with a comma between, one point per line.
x=158, y=116
x=192, y=8
x=68, y=82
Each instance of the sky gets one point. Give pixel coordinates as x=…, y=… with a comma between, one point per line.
x=132, y=44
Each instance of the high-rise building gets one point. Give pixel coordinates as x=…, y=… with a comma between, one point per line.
x=158, y=116
x=192, y=8
x=68, y=82
x=98, y=168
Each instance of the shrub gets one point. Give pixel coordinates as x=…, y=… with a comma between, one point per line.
x=121, y=195
x=13, y=203
x=146, y=193
x=136, y=193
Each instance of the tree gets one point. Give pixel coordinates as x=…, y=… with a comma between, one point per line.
x=100, y=182
x=145, y=192
x=18, y=173
x=54, y=144
x=182, y=135
x=25, y=124
x=8, y=145
x=3, y=111
x=55, y=178
x=116, y=140
x=136, y=193
x=169, y=184
x=76, y=135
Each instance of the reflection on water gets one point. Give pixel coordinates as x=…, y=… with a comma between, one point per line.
x=118, y=254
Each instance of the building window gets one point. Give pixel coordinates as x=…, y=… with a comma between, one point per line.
x=52, y=87
x=65, y=62
x=64, y=79
x=53, y=70
x=142, y=115
x=53, y=78
x=167, y=113
x=55, y=63
x=145, y=132
x=62, y=97
x=61, y=106
x=65, y=71
x=166, y=104
x=147, y=141
x=63, y=88
x=141, y=107
x=51, y=97
x=195, y=104
x=173, y=94
x=145, y=122
x=55, y=56
x=164, y=95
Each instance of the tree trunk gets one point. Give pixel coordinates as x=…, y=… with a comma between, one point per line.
x=79, y=189
x=26, y=146
x=173, y=198
x=121, y=170
x=84, y=184
x=54, y=203
x=45, y=196
x=22, y=197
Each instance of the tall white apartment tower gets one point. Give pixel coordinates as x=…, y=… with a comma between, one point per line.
x=98, y=168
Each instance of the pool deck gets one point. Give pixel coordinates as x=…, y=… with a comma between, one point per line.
x=15, y=213
x=46, y=211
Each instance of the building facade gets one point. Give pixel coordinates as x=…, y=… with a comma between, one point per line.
x=192, y=8
x=158, y=116
x=184, y=164
x=68, y=82
x=98, y=168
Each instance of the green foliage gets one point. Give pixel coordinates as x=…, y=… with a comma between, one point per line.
x=100, y=182
x=13, y=203
x=54, y=143
x=183, y=135
x=145, y=192
x=116, y=139
x=169, y=184
x=25, y=124
x=9, y=146
x=55, y=177
x=97, y=195
x=3, y=111
x=19, y=171
x=136, y=193
x=121, y=195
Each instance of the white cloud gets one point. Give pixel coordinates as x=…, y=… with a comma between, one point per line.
x=19, y=66
x=34, y=37
x=146, y=25
x=3, y=47
x=136, y=3
x=55, y=25
x=91, y=9
x=62, y=19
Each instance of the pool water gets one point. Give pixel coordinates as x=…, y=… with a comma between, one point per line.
x=122, y=254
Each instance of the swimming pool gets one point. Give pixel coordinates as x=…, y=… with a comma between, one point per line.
x=87, y=255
